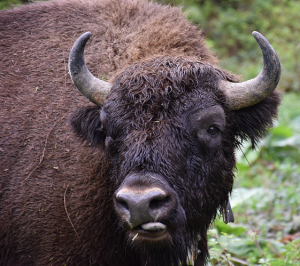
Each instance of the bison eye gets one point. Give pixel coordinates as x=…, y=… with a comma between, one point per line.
x=212, y=130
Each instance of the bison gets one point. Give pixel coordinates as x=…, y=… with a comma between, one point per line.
x=137, y=176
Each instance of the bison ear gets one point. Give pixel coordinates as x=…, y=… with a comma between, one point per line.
x=86, y=124
x=252, y=123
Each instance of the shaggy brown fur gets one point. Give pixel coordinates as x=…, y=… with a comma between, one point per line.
x=55, y=195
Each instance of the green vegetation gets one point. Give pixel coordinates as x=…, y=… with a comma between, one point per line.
x=4, y=4
x=228, y=25
x=266, y=197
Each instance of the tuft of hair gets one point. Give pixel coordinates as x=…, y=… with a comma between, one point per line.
x=252, y=123
x=86, y=124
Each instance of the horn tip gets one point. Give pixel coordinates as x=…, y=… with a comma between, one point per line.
x=87, y=34
x=256, y=34
x=85, y=37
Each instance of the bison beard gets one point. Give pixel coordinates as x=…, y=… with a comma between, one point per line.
x=161, y=254
x=166, y=132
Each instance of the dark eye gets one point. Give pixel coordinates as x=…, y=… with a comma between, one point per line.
x=212, y=130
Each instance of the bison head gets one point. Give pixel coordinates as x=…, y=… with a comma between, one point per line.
x=170, y=127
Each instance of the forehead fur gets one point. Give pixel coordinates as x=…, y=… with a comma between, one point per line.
x=162, y=85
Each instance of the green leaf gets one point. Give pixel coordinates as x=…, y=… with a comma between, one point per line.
x=273, y=262
x=242, y=247
x=282, y=131
x=231, y=229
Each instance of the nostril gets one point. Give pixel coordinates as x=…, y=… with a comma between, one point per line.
x=123, y=204
x=158, y=203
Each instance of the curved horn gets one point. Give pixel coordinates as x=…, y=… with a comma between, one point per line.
x=248, y=93
x=92, y=88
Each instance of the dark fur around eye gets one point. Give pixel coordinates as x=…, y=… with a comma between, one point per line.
x=213, y=130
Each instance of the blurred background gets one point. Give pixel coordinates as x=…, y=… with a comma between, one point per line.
x=266, y=196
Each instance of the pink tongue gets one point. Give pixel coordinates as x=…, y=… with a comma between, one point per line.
x=153, y=226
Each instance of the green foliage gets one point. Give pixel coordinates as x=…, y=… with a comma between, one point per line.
x=293, y=253
x=228, y=24
x=5, y=4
